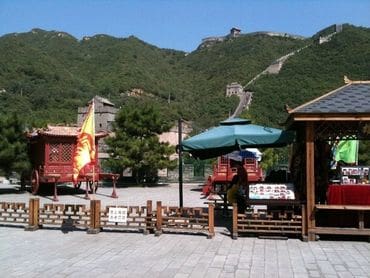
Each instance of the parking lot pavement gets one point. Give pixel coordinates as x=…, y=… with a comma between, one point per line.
x=53, y=253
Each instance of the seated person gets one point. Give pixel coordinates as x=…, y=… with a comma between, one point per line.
x=238, y=190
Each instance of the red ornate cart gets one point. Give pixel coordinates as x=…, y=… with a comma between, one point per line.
x=51, y=152
x=223, y=174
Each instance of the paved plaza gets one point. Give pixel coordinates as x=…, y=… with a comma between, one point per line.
x=56, y=253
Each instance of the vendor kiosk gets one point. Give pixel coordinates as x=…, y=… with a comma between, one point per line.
x=338, y=115
x=353, y=187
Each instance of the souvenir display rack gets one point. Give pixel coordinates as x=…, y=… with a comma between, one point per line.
x=355, y=175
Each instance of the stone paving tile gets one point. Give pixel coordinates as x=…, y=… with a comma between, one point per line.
x=301, y=275
x=314, y=273
x=213, y=272
x=330, y=276
x=218, y=261
x=241, y=273
x=181, y=275
x=198, y=274
x=357, y=271
x=345, y=274
x=256, y=271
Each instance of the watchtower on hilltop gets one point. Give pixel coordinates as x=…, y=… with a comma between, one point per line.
x=235, y=32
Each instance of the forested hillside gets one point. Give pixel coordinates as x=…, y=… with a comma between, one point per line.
x=314, y=71
x=46, y=75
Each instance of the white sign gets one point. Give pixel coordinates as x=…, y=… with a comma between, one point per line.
x=117, y=215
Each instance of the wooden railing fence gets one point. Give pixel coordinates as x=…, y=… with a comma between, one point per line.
x=195, y=220
x=94, y=218
x=284, y=221
x=14, y=213
x=138, y=218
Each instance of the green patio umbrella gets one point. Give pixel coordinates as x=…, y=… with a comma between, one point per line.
x=235, y=134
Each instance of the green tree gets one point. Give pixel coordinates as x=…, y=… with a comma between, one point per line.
x=13, y=146
x=136, y=144
x=363, y=153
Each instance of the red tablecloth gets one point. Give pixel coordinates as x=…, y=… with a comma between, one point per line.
x=348, y=194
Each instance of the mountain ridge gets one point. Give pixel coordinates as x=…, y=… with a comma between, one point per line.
x=46, y=75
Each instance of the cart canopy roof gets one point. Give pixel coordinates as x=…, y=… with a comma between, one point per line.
x=61, y=131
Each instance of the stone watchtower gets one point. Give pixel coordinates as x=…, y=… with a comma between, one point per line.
x=235, y=32
x=104, y=114
x=234, y=89
x=104, y=118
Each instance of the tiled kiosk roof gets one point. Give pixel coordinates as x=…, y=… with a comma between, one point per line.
x=349, y=102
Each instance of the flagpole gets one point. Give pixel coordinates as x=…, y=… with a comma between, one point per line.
x=93, y=185
x=180, y=164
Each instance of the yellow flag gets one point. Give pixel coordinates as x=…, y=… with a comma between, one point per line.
x=85, y=149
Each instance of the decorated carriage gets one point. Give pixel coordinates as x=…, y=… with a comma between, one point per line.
x=223, y=173
x=51, y=152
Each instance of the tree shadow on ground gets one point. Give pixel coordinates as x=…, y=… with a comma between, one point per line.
x=106, y=184
x=48, y=189
x=223, y=221
x=198, y=189
x=11, y=190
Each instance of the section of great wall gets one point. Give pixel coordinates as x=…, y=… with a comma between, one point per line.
x=242, y=92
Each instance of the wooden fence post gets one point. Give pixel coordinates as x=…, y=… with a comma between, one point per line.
x=211, y=221
x=33, y=214
x=149, y=217
x=94, y=217
x=235, y=222
x=158, y=231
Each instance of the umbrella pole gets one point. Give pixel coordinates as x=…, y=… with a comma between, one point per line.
x=180, y=163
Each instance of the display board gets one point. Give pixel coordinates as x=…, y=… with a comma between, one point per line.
x=355, y=174
x=282, y=191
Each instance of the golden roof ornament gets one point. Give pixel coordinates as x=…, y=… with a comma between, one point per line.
x=347, y=80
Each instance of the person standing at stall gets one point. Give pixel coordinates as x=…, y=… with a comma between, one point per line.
x=238, y=191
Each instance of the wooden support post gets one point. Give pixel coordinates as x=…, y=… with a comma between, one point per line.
x=55, y=197
x=94, y=217
x=211, y=221
x=361, y=224
x=114, y=181
x=310, y=179
x=304, y=226
x=158, y=227
x=33, y=214
x=149, y=217
x=235, y=222
x=87, y=197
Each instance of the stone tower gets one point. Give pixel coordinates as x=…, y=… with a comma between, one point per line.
x=104, y=114
x=104, y=118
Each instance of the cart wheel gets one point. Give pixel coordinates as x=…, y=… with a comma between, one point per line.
x=92, y=186
x=35, y=182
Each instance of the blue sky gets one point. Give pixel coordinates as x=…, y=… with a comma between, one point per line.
x=179, y=24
